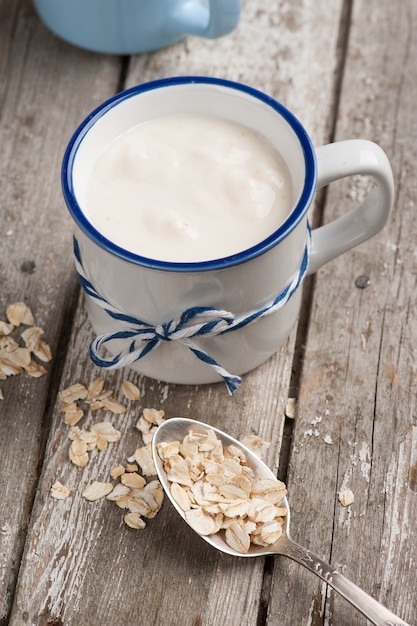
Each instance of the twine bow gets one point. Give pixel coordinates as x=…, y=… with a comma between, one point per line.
x=192, y=323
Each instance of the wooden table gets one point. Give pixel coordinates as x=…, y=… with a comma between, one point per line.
x=347, y=69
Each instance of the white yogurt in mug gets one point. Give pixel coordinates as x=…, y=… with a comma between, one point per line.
x=188, y=188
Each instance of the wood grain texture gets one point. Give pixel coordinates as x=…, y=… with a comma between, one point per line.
x=76, y=562
x=66, y=573
x=38, y=111
x=357, y=387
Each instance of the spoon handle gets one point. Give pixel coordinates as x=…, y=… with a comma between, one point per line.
x=370, y=608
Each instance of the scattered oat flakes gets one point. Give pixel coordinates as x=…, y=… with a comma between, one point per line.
x=32, y=339
x=71, y=407
x=328, y=439
x=95, y=405
x=143, y=457
x=101, y=442
x=43, y=351
x=117, y=471
x=8, y=345
x=290, y=408
x=223, y=490
x=35, y=370
x=133, y=493
x=130, y=391
x=87, y=436
x=84, y=440
x=59, y=491
x=19, y=313
x=138, y=497
x=94, y=397
x=148, y=422
x=113, y=405
x=133, y=480
x=78, y=452
x=134, y=520
x=123, y=500
x=16, y=359
x=22, y=356
x=71, y=419
x=72, y=413
x=153, y=416
x=31, y=336
x=97, y=490
x=5, y=328
x=78, y=446
x=144, y=502
x=118, y=491
x=96, y=401
x=9, y=368
x=141, y=499
x=74, y=392
x=346, y=497
x=106, y=431
x=94, y=389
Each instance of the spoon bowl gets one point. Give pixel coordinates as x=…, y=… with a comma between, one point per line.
x=175, y=429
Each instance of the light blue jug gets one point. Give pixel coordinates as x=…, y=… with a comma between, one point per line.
x=132, y=26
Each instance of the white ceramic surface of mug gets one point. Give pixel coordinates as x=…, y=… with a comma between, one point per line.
x=142, y=309
x=133, y=26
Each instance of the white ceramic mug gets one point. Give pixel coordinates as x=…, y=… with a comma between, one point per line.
x=189, y=322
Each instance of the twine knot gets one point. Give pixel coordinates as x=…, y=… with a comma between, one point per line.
x=139, y=337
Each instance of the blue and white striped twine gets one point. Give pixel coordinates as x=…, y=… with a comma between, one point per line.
x=144, y=337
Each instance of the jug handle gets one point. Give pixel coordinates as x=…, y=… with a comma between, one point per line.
x=192, y=18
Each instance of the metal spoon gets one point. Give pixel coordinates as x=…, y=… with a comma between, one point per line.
x=175, y=429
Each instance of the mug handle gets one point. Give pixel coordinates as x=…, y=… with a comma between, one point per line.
x=192, y=18
x=338, y=160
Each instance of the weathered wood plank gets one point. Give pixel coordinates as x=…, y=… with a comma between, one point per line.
x=81, y=563
x=358, y=383
x=46, y=88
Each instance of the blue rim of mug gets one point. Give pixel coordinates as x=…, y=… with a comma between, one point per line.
x=263, y=246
